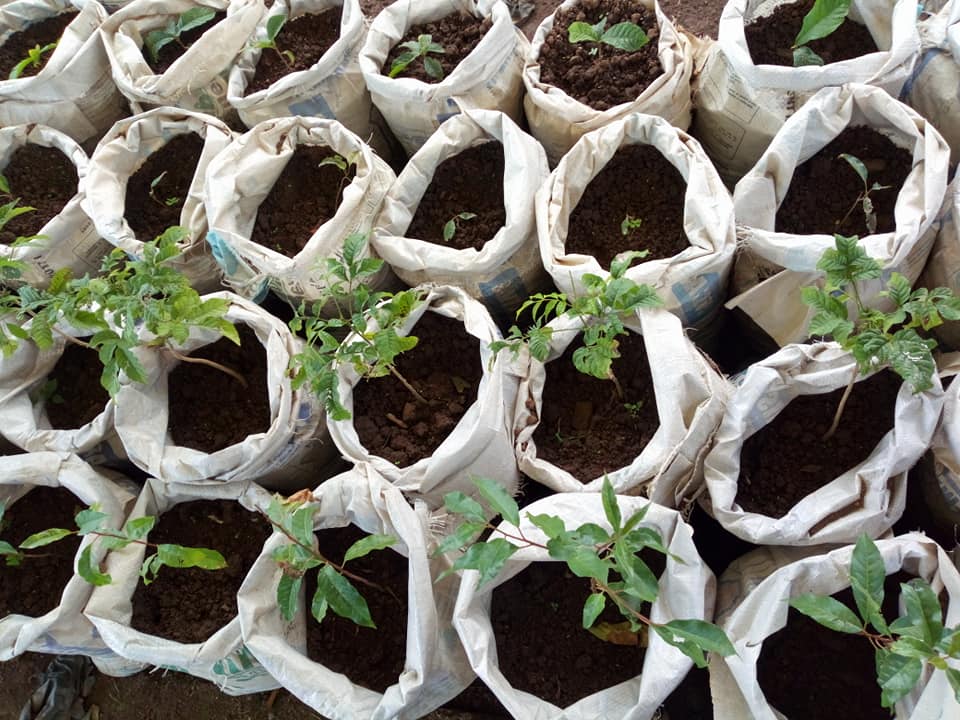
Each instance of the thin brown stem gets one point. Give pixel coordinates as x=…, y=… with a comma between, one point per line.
x=407, y=385
x=616, y=385
x=209, y=363
x=843, y=403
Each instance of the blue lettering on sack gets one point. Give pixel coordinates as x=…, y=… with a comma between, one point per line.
x=222, y=253
x=312, y=107
x=699, y=298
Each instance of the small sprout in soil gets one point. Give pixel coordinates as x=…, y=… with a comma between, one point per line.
x=294, y=518
x=824, y=17
x=905, y=647
x=453, y=224
x=634, y=408
x=420, y=48
x=630, y=224
x=370, y=320
x=192, y=18
x=34, y=58
x=11, y=209
x=46, y=392
x=610, y=560
x=274, y=24
x=863, y=199
x=600, y=310
x=626, y=36
x=166, y=202
x=343, y=164
x=877, y=339
x=92, y=522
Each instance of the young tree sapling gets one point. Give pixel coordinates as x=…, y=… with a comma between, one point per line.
x=275, y=24
x=420, y=49
x=863, y=199
x=451, y=226
x=626, y=36
x=195, y=17
x=824, y=17
x=34, y=58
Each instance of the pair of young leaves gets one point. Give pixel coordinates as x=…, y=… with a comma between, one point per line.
x=823, y=19
x=195, y=17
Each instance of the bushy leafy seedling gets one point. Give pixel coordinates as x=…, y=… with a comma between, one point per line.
x=876, y=339
x=363, y=331
x=420, y=49
x=600, y=310
x=863, y=199
x=904, y=647
x=626, y=36
x=824, y=17
x=629, y=224
x=335, y=584
x=195, y=17
x=93, y=522
x=34, y=58
x=166, y=202
x=451, y=226
x=610, y=559
x=275, y=24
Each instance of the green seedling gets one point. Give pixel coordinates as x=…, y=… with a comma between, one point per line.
x=610, y=559
x=600, y=310
x=633, y=408
x=344, y=165
x=33, y=59
x=166, y=202
x=370, y=321
x=420, y=49
x=626, y=36
x=156, y=40
x=906, y=647
x=47, y=392
x=11, y=209
x=629, y=224
x=863, y=199
x=274, y=24
x=335, y=584
x=453, y=224
x=93, y=522
x=876, y=339
x=824, y=17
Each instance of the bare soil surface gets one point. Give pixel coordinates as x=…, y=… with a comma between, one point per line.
x=42, y=178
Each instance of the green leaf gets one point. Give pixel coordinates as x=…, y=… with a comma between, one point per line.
x=897, y=675
x=499, y=499
x=828, y=612
x=867, y=574
x=4, y=185
x=194, y=18
x=319, y=605
x=923, y=609
x=625, y=36
x=90, y=520
x=824, y=17
x=584, y=562
x=639, y=580
x=7, y=549
x=449, y=230
x=274, y=24
x=487, y=558
x=857, y=164
x=912, y=647
x=178, y=556
x=86, y=569
x=610, y=507
x=365, y=546
x=156, y=40
x=288, y=595
x=462, y=536
x=402, y=63
x=694, y=637
x=803, y=55
x=461, y=504
x=592, y=609
x=582, y=32
x=551, y=525
x=539, y=342
x=139, y=528
x=342, y=596
x=45, y=537
x=954, y=677
x=433, y=68
x=910, y=357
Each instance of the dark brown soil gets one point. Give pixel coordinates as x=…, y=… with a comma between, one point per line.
x=210, y=410
x=42, y=178
x=79, y=397
x=788, y=459
x=640, y=183
x=458, y=34
x=371, y=658
x=149, y=215
x=808, y=209
x=611, y=76
x=470, y=181
x=372, y=8
x=539, y=12
x=770, y=38
x=917, y=515
x=34, y=588
x=691, y=700
x=714, y=543
x=445, y=368
x=188, y=605
x=42, y=33
x=304, y=197
x=700, y=17
x=584, y=427
x=171, y=52
x=308, y=37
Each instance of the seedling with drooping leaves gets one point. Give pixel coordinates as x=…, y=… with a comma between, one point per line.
x=193, y=18
x=364, y=329
x=875, y=338
x=629, y=224
x=863, y=199
x=905, y=647
x=824, y=17
x=451, y=226
x=275, y=24
x=610, y=559
x=343, y=164
x=335, y=584
x=33, y=59
x=600, y=310
x=419, y=49
x=166, y=202
x=94, y=522
x=626, y=36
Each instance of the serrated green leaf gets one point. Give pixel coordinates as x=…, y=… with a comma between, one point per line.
x=824, y=17
x=342, y=597
x=829, y=612
x=45, y=537
x=288, y=596
x=579, y=31
x=461, y=504
x=367, y=545
x=499, y=499
x=433, y=68
x=592, y=609
x=87, y=571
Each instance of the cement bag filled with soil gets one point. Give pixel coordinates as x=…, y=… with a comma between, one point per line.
x=631, y=682
x=277, y=204
x=43, y=613
x=45, y=169
x=464, y=428
x=753, y=606
x=190, y=422
x=640, y=184
x=175, y=621
x=149, y=171
x=194, y=78
x=325, y=78
x=411, y=663
x=572, y=430
x=485, y=68
x=742, y=103
x=72, y=91
x=560, y=111
x=786, y=233
x=493, y=255
x=772, y=478
x=943, y=263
